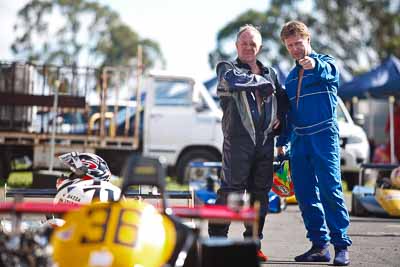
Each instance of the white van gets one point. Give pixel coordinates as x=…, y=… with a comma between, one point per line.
x=182, y=123
x=354, y=143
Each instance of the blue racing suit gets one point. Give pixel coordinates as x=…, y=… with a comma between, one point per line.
x=313, y=132
x=247, y=160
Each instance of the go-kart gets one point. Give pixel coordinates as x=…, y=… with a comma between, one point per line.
x=381, y=199
x=126, y=232
x=204, y=190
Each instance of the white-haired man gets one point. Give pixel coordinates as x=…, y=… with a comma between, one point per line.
x=253, y=104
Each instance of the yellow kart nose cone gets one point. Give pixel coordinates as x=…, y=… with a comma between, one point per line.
x=128, y=233
x=389, y=199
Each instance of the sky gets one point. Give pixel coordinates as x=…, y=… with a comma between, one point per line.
x=185, y=29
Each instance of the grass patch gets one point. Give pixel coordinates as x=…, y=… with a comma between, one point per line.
x=173, y=185
x=20, y=179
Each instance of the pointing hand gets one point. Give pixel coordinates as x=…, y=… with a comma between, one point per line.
x=307, y=63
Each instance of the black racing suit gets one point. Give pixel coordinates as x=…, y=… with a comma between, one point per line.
x=248, y=148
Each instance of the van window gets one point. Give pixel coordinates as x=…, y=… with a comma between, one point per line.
x=176, y=93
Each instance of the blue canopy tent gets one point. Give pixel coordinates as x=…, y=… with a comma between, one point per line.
x=391, y=87
x=381, y=82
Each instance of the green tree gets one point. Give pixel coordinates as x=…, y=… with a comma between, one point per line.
x=69, y=32
x=356, y=32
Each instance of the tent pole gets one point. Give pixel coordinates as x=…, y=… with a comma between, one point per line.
x=370, y=117
x=391, y=123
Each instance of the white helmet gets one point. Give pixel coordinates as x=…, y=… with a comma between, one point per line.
x=87, y=191
x=86, y=166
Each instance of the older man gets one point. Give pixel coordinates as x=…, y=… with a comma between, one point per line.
x=253, y=103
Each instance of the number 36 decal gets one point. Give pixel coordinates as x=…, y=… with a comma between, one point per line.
x=105, y=222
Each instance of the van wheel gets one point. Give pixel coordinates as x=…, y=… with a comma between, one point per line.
x=197, y=155
x=356, y=208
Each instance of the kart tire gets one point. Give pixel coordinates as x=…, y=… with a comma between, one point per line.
x=356, y=208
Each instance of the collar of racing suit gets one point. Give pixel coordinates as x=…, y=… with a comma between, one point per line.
x=242, y=65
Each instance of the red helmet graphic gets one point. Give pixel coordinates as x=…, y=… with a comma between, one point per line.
x=86, y=166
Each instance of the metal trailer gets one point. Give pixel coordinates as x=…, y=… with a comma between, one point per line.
x=35, y=101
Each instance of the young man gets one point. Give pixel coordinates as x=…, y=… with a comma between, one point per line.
x=314, y=146
x=253, y=103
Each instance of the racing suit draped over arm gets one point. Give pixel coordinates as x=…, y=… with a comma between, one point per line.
x=236, y=87
x=236, y=80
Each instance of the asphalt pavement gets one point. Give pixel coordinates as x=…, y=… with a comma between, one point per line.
x=376, y=241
